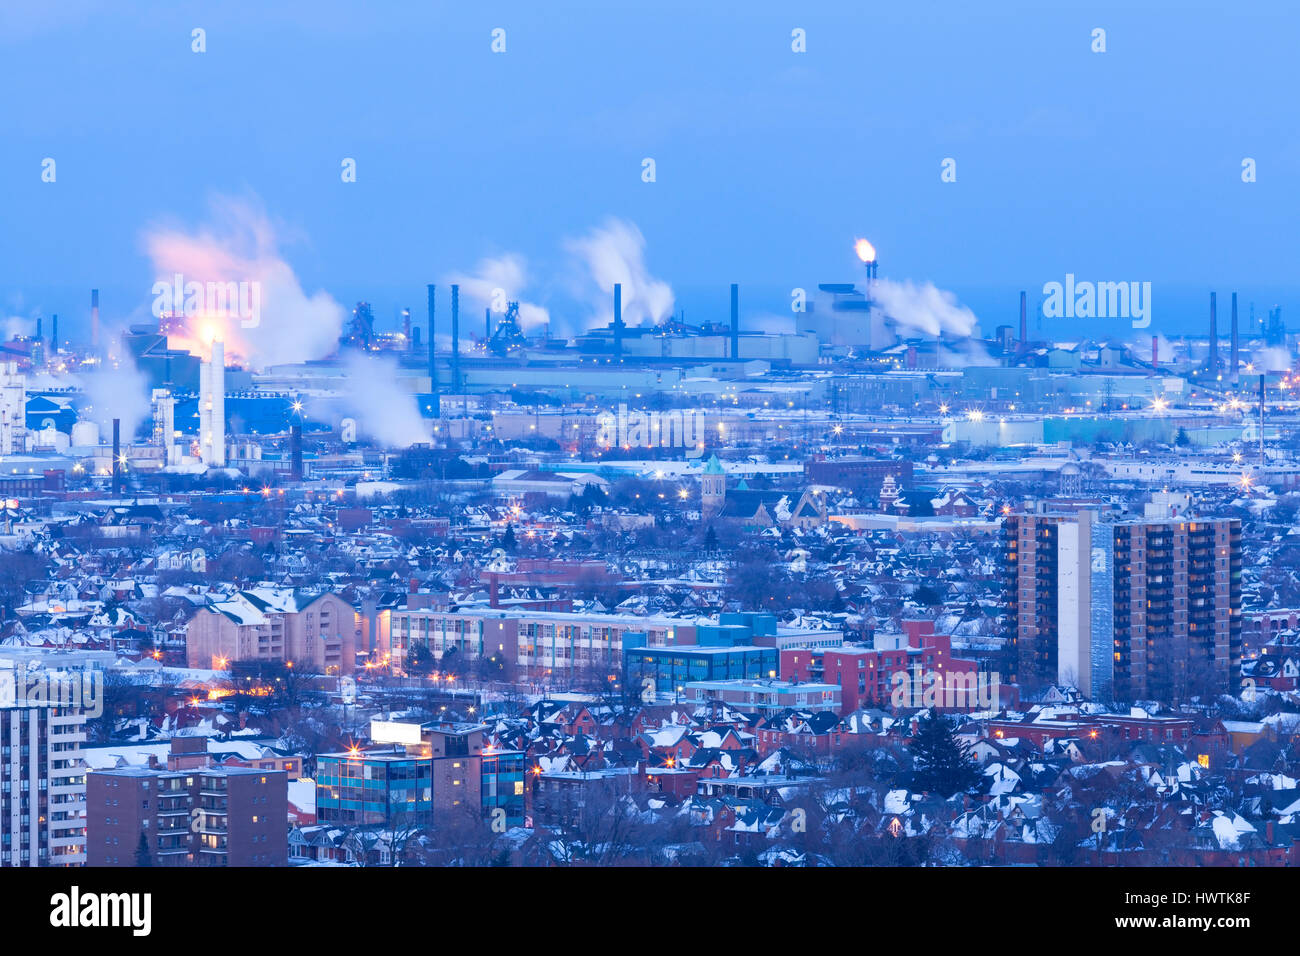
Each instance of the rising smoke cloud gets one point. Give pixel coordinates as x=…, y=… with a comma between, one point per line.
x=117, y=389
x=968, y=353
x=240, y=244
x=15, y=325
x=614, y=252
x=923, y=308
x=1272, y=359
x=495, y=282
x=385, y=412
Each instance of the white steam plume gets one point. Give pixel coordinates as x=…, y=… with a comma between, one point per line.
x=923, y=308
x=240, y=245
x=15, y=325
x=385, y=412
x=615, y=253
x=1272, y=359
x=117, y=389
x=493, y=284
x=966, y=354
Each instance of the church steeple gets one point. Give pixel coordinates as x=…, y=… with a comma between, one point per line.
x=713, y=486
x=889, y=493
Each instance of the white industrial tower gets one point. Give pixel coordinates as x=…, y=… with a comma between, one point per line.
x=164, y=424
x=13, y=410
x=212, y=408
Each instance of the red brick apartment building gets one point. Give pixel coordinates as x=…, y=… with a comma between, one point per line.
x=866, y=675
x=233, y=816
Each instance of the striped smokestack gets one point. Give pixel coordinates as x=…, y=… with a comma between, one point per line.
x=1232, y=370
x=435, y=405
x=1212, y=361
x=618, y=320
x=1024, y=322
x=735, y=321
x=455, y=337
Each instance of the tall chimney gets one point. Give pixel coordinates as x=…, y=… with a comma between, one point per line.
x=487, y=326
x=295, y=450
x=1213, y=360
x=117, y=454
x=94, y=318
x=40, y=330
x=735, y=321
x=435, y=405
x=618, y=320
x=406, y=327
x=1024, y=323
x=54, y=334
x=1232, y=371
x=1155, y=353
x=455, y=337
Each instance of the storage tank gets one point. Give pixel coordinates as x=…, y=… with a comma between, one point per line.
x=85, y=434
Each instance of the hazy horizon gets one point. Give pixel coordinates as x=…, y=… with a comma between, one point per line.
x=1115, y=166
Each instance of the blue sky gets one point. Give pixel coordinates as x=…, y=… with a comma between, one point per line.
x=1117, y=166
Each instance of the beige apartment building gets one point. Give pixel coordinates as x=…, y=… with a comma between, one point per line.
x=317, y=632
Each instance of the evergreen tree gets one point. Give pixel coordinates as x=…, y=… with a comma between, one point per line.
x=508, y=539
x=142, y=857
x=928, y=595
x=943, y=764
x=419, y=660
x=711, y=540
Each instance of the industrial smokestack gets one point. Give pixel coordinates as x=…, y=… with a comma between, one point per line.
x=295, y=451
x=618, y=320
x=54, y=335
x=117, y=455
x=1232, y=371
x=94, y=318
x=1024, y=322
x=735, y=321
x=433, y=374
x=487, y=326
x=406, y=327
x=40, y=330
x=455, y=337
x=1213, y=360
x=436, y=405
x=1155, y=353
